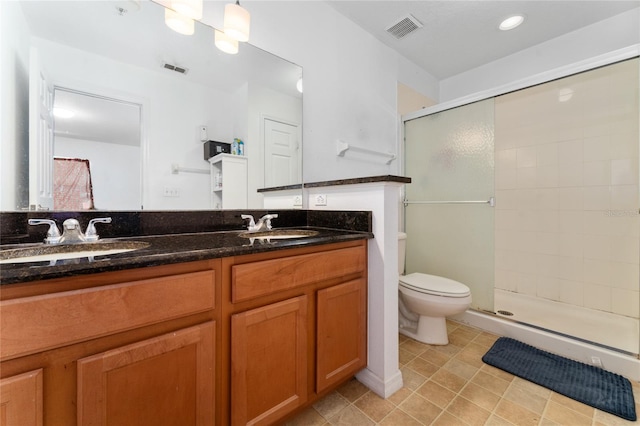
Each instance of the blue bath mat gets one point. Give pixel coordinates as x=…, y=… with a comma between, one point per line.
x=585, y=383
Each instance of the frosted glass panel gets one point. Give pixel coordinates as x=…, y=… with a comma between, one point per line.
x=449, y=157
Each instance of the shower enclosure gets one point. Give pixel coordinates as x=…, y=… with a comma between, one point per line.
x=560, y=249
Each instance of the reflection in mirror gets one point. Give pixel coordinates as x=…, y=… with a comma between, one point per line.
x=92, y=49
x=91, y=135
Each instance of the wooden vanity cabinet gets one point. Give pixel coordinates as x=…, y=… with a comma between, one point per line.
x=240, y=340
x=297, y=328
x=124, y=348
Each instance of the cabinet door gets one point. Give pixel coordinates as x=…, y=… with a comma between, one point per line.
x=342, y=332
x=21, y=399
x=268, y=362
x=166, y=380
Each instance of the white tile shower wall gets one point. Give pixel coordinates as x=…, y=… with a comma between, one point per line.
x=566, y=159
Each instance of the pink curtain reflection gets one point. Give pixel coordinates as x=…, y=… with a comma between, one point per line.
x=72, y=188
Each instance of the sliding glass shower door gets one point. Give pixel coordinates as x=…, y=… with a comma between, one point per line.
x=448, y=215
x=561, y=249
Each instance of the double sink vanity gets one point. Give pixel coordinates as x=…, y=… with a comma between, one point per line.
x=180, y=317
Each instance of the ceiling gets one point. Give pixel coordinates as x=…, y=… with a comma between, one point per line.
x=461, y=35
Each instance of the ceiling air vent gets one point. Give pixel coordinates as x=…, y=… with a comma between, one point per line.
x=404, y=27
x=176, y=68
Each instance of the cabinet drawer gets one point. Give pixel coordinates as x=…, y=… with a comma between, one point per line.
x=37, y=323
x=256, y=279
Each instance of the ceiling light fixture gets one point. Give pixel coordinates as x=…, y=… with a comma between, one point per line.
x=299, y=85
x=63, y=112
x=226, y=43
x=236, y=21
x=189, y=8
x=511, y=22
x=178, y=22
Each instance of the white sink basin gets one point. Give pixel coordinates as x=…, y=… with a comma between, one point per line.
x=279, y=234
x=53, y=253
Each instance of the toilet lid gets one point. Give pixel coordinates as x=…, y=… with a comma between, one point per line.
x=432, y=284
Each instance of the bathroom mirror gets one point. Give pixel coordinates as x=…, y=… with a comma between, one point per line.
x=183, y=89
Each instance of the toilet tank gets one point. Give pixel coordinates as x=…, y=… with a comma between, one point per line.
x=402, y=247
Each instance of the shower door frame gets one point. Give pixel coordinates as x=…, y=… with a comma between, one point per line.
x=541, y=78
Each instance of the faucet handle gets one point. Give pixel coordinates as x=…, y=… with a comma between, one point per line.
x=53, y=234
x=267, y=220
x=91, y=234
x=252, y=223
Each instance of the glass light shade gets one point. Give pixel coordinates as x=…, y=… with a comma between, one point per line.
x=236, y=22
x=226, y=43
x=189, y=8
x=63, y=112
x=178, y=23
x=299, y=85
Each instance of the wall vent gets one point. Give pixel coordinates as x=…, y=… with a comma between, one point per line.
x=176, y=68
x=404, y=27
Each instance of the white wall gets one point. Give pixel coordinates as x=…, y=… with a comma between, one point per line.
x=14, y=109
x=606, y=36
x=350, y=81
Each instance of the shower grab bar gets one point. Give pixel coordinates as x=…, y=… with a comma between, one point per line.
x=491, y=201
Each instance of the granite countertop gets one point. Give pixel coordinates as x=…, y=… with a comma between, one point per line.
x=168, y=249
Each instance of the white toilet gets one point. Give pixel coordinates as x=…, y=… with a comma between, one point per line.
x=426, y=300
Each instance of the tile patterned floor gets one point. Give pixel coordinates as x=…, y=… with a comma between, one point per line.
x=450, y=385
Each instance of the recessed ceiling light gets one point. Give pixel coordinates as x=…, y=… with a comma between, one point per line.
x=511, y=22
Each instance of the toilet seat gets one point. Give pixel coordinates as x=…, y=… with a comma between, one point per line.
x=434, y=285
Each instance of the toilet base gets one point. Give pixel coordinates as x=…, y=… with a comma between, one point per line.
x=430, y=330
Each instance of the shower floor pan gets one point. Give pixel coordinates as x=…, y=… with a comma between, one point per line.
x=603, y=328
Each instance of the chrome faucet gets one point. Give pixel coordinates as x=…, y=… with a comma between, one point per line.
x=264, y=223
x=71, y=232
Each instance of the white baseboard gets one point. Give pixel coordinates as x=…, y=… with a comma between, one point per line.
x=383, y=389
